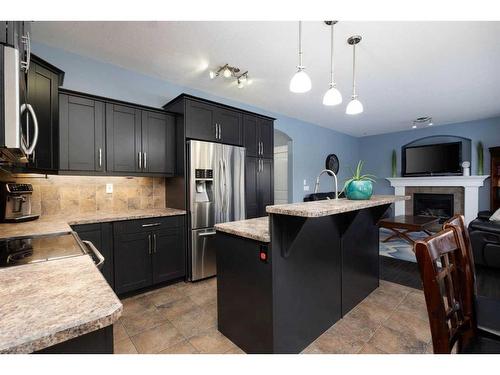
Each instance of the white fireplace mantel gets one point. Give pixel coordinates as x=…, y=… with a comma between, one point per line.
x=471, y=185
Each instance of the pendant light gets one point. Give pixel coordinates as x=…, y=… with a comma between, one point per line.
x=333, y=95
x=300, y=81
x=354, y=107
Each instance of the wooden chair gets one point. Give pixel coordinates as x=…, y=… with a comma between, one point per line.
x=486, y=311
x=446, y=296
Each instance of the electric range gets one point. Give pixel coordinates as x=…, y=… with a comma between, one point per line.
x=26, y=250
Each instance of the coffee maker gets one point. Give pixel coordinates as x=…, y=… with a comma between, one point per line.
x=15, y=202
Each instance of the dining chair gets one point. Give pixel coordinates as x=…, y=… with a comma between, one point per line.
x=442, y=268
x=486, y=310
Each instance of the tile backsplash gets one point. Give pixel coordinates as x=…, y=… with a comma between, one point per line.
x=67, y=195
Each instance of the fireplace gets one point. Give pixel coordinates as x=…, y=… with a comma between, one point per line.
x=431, y=204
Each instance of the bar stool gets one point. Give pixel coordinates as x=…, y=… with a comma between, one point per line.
x=449, y=302
x=486, y=310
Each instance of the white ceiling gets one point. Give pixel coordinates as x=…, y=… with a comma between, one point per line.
x=447, y=70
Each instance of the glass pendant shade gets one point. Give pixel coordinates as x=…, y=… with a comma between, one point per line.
x=226, y=73
x=354, y=107
x=332, y=96
x=300, y=82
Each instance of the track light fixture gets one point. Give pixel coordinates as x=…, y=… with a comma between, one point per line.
x=228, y=71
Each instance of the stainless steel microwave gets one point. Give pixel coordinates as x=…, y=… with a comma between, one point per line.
x=15, y=144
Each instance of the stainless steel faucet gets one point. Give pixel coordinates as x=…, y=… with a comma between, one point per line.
x=331, y=173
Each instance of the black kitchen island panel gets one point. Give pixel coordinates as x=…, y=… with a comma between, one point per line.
x=315, y=270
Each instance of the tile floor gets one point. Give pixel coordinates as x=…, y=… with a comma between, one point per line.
x=182, y=318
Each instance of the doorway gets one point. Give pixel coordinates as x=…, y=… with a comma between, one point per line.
x=283, y=186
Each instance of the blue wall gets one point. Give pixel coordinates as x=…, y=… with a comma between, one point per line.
x=311, y=143
x=377, y=150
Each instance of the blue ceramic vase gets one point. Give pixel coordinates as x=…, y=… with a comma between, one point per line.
x=359, y=190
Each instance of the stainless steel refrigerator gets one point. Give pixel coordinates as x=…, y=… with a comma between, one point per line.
x=216, y=195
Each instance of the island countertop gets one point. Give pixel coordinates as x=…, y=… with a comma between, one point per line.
x=256, y=229
x=332, y=206
x=43, y=304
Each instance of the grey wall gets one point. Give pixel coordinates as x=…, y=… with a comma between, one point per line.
x=376, y=150
x=311, y=143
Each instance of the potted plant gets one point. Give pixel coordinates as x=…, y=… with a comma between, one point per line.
x=359, y=186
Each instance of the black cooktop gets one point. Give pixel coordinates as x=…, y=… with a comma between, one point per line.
x=19, y=251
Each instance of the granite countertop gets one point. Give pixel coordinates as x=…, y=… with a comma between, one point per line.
x=332, y=206
x=61, y=224
x=43, y=304
x=255, y=229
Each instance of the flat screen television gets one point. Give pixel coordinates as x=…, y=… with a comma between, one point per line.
x=432, y=160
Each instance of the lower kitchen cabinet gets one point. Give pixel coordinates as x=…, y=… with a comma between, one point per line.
x=148, y=251
x=133, y=261
x=101, y=235
x=169, y=257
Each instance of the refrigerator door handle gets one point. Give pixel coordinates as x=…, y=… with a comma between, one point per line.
x=221, y=191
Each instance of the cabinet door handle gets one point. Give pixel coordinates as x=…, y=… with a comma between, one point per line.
x=151, y=225
x=220, y=132
x=216, y=131
x=154, y=243
x=140, y=160
x=145, y=160
x=100, y=157
x=149, y=243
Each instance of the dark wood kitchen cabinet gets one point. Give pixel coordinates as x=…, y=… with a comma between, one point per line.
x=132, y=261
x=169, y=257
x=158, y=142
x=42, y=82
x=139, y=141
x=259, y=191
x=148, y=251
x=230, y=126
x=207, y=121
x=123, y=139
x=258, y=136
x=81, y=134
x=101, y=235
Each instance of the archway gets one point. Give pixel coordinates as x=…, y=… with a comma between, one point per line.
x=283, y=168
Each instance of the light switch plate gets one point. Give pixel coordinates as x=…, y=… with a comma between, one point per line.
x=109, y=188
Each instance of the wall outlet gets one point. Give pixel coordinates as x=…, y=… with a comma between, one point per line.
x=306, y=187
x=305, y=182
x=109, y=188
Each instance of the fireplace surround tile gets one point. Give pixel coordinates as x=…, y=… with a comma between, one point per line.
x=457, y=191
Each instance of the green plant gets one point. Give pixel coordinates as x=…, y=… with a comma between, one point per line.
x=394, y=164
x=480, y=159
x=357, y=176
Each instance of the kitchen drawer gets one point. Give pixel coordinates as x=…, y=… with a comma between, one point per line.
x=141, y=225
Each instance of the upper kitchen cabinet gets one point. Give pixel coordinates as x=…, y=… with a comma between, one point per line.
x=123, y=139
x=158, y=142
x=81, y=134
x=102, y=136
x=258, y=136
x=42, y=82
x=200, y=121
x=208, y=121
x=229, y=124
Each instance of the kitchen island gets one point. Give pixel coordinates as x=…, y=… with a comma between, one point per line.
x=283, y=280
